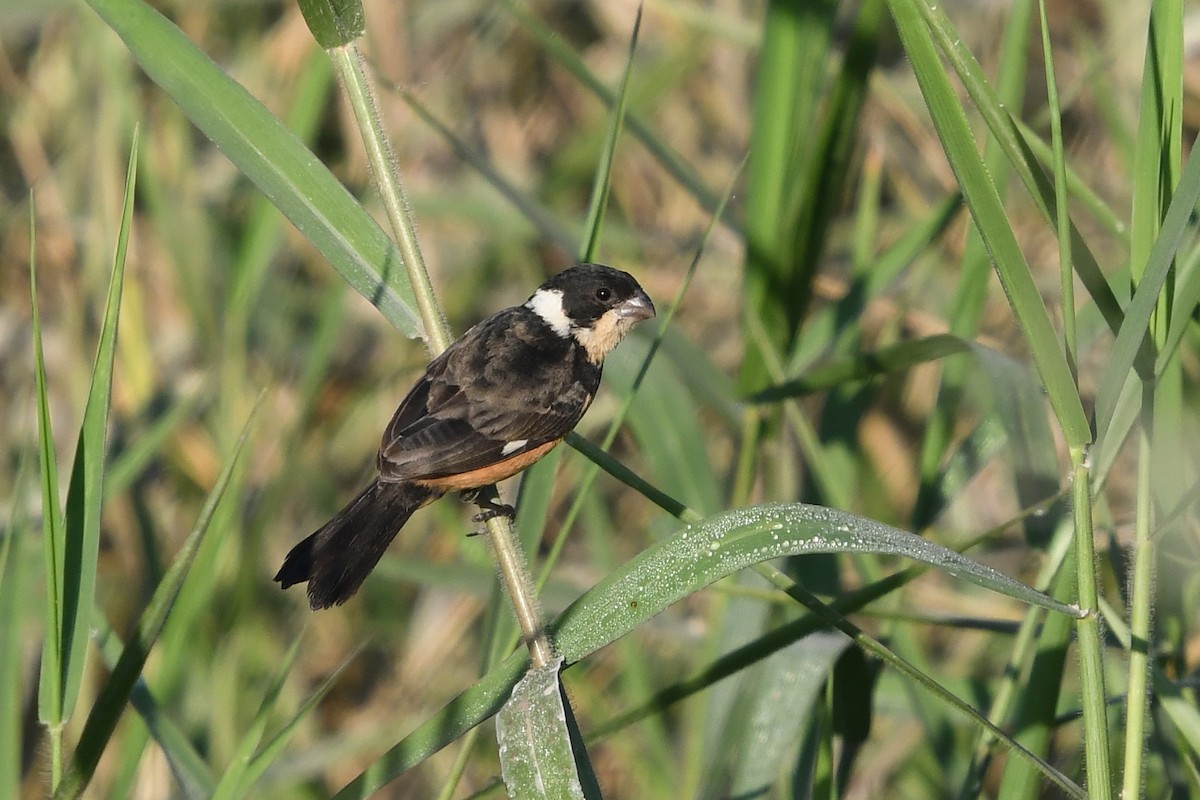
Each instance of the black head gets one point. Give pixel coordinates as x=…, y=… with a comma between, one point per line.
x=589, y=290
x=594, y=303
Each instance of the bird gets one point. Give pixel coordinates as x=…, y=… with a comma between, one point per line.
x=499, y=398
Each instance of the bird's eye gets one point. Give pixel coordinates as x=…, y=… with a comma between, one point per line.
x=604, y=294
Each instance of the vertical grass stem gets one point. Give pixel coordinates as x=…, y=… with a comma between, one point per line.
x=511, y=560
x=1091, y=654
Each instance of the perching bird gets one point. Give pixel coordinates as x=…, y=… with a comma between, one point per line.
x=496, y=401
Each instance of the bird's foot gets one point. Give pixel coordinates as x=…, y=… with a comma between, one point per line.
x=490, y=508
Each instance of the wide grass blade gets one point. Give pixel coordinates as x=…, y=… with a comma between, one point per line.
x=721, y=545
x=670, y=570
x=271, y=156
x=791, y=74
x=114, y=697
x=784, y=692
x=535, y=745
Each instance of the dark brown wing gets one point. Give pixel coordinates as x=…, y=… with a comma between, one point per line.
x=507, y=386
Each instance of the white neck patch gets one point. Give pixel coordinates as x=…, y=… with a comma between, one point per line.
x=547, y=304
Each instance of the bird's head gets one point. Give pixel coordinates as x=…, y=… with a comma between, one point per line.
x=595, y=304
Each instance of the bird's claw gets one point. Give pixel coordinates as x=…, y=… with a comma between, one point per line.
x=489, y=509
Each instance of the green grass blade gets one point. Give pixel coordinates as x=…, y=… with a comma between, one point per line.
x=114, y=697
x=1061, y=197
x=468, y=709
x=702, y=552
x=1032, y=456
x=50, y=685
x=602, y=182
x=74, y=566
x=664, y=418
x=1080, y=190
x=905, y=667
x=13, y=593
x=1128, y=349
x=542, y=219
x=560, y=51
x=772, y=641
x=1020, y=156
x=274, y=747
x=671, y=569
x=827, y=165
x=271, y=156
x=535, y=745
x=791, y=72
x=191, y=773
x=235, y=782
x=625, y=475
x=893, y=358
x=1033, y=722
x=966, y=310
x=992, y=222
x=783, y=693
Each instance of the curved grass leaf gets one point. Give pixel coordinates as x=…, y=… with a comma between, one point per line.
x=672, y=569
x=271, y=156
x=704, y=552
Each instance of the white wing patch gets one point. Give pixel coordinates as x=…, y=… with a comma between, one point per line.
x=513, y=447
x=547, y=304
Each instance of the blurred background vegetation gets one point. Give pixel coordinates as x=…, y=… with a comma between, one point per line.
x=857, y=242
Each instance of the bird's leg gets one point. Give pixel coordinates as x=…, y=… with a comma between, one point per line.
x=488, y=507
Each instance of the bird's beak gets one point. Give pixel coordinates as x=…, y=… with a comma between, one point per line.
x=636, y=308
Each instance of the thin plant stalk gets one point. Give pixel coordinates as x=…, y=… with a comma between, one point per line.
x=348, y=62
x=507, y=551
x=1091, y=654
x=1140, y=602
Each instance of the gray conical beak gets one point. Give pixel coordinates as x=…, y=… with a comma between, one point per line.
x=636, y=308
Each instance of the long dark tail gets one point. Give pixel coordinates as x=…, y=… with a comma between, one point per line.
x=337, y=558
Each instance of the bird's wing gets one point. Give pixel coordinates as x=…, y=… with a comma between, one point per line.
x=487, y=398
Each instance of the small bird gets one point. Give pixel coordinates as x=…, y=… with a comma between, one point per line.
x=497, y=400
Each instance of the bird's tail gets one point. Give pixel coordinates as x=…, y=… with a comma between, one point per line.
x=341, y=553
